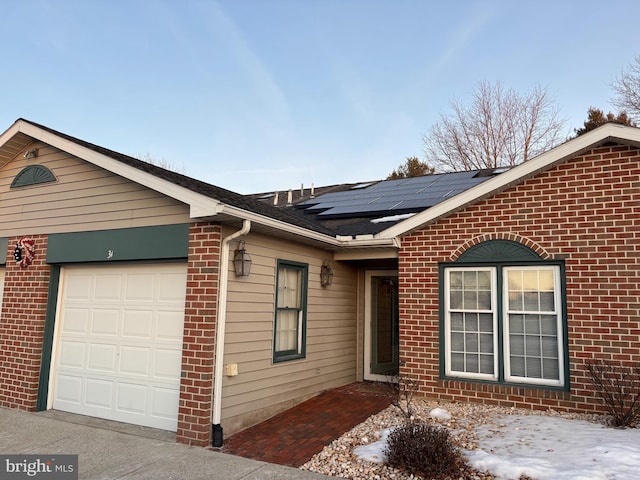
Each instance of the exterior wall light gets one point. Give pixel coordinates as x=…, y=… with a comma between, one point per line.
x=326, y=274
x=241, y=261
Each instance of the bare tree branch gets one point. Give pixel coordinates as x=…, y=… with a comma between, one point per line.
x=500, y=128
x=627, y=88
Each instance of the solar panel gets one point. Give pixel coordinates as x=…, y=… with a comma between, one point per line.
x=399, y=195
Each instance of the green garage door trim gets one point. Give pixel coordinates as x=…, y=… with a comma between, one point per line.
x=47, y=344
x=126, y=244
x=167, y=242
x=4, y=246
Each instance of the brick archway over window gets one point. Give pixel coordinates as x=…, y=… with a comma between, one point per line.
x=542, y=253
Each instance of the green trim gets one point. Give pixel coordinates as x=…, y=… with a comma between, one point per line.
x=287, y=355
x=499, y=251
x=33, y=175
x=516, y=260
x=142, y=243
x=47, y=343
x=4, y=247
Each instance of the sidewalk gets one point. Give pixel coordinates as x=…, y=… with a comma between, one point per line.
x=105, y=453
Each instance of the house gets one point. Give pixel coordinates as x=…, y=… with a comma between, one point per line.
x=122, y=298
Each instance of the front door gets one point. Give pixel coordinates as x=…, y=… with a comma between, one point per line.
x=382, y=325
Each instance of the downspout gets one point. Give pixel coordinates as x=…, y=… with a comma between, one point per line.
x=220, y=332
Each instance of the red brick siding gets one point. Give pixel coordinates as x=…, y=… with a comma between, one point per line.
x=586, y=211
x=196, y=385
x=22, y=326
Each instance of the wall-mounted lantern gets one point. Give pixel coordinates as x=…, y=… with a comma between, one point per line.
x=241, y=261
x=326, y=274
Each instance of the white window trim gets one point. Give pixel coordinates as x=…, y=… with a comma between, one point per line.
x=507, y=377
x=559, y=324
x=447, y=325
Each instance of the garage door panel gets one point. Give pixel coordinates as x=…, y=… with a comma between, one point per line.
x=137, y=323
x=99, y=393
x=169, y=326
x=119, y=346
x=135, y=360
x=79, y=287
x=76, y=320
x=102, y=358
x=140, y=288
x=108, y=288
x=167, y=364
x=105, y=321
x=70, y=389
x=163, y=401
x=72, y=354
x=170, y=288
x=132, y=398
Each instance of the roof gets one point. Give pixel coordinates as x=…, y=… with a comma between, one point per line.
x=373, y=207
x=608, y=133
x=206, y=200
x=372, y=214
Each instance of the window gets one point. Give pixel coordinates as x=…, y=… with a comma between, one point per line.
x=33, y=175
x=291, y=311
x=504, y=323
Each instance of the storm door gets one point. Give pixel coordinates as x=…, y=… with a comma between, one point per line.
x=382, y=325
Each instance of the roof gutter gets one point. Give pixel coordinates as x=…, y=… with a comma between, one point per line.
x=359, y=241
x=220, y=332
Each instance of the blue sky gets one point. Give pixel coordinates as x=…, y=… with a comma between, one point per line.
x=262, y=95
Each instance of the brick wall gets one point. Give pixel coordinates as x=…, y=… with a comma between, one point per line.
x=585, y=211
x=196, y=385
x=22, y=320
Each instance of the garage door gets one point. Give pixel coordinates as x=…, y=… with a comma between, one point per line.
x=119, y=343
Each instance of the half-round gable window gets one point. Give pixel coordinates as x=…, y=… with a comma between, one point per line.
x=33, y=175
x=494, y=251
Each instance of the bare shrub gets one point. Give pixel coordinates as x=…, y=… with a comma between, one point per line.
x=618, y=386
x=424, y=450
x=401, y=390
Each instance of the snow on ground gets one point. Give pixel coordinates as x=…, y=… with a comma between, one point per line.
x=544, y=448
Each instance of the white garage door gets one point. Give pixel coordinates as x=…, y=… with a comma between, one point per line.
x=119, y=343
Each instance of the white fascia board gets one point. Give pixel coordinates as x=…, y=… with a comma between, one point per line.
x=515, y=175
x=199, y=205
x=10, y=132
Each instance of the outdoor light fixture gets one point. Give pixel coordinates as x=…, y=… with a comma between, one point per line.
x=241, y=261
x=326, y=274
x=33, y=153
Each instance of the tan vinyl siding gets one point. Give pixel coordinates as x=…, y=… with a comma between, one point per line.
x=263, y=388
x=83, y=198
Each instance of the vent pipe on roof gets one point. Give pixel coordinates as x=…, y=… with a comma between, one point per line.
x=302, y=190
x=275, y=198
x=313, y=191
x=289, y=198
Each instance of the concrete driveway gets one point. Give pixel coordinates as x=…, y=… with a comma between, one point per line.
x=110, y=450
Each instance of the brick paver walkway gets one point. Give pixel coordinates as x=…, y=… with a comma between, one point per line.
x=294, y=436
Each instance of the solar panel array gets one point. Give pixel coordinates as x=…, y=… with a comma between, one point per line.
x=393, y=196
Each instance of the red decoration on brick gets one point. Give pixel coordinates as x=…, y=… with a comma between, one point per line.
x=24, y=252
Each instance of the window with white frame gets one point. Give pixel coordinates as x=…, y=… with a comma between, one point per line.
x=504, y=323
x=290, y=317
